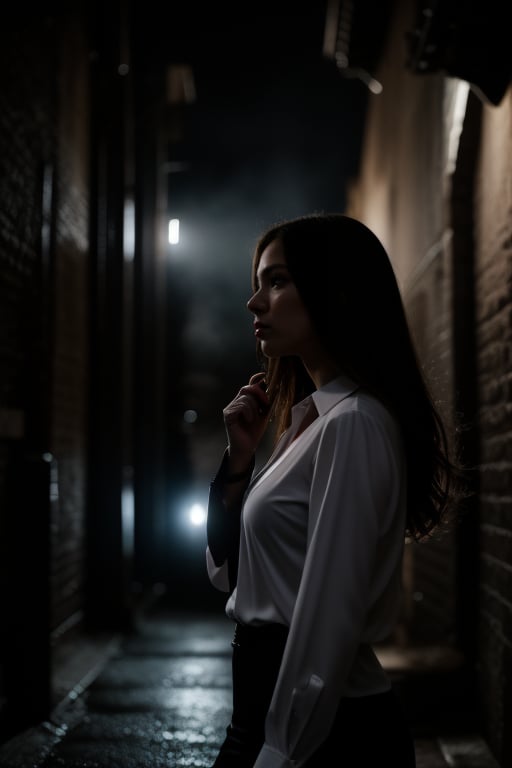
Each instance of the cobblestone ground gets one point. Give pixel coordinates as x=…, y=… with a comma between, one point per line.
x=163, y=700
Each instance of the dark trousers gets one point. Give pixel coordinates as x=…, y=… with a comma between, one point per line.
x=367, y=731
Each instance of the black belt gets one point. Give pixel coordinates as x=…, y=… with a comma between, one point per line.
x=259, y=636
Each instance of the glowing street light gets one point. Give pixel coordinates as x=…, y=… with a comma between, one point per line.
x=174, y=231
x=197, y=515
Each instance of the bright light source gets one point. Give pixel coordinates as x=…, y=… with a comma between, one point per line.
x=197, y=515
x=458, y=95
x=129, y=230
x=174, y=231
x=128, y=517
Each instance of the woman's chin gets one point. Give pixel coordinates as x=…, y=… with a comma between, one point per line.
x=269, y=350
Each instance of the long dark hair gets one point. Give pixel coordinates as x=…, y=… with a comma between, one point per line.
x=347, y=283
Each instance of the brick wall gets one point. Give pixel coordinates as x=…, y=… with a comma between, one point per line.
x=449, y=231
x=493, y=236
x=43, y=318
x=27, y=110
x=70, y=342
x=27, y=105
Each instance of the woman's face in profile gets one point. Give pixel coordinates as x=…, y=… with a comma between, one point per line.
x=281, y=321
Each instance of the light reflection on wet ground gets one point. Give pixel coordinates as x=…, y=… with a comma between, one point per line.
x=163, y=700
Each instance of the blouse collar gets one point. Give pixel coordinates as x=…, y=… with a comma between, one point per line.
x=333, y=392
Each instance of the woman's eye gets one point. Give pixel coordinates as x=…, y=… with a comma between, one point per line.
x=277, y=281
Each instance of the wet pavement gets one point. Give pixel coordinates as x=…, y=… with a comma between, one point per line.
x=160, y=697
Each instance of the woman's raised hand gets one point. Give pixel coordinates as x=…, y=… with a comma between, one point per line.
x=245, y=420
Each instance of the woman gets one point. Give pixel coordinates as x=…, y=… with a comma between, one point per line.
x=309, y=548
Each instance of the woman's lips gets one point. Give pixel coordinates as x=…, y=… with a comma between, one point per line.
x=261, y=330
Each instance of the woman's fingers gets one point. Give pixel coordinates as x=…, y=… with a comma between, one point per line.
x=243, y=406
x=257, y=378
x=251, y=401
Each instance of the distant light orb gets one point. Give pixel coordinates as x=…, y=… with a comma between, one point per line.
x=190, y=416
x=197, y=515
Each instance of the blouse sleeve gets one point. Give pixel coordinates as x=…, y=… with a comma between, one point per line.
x=222, y=534
x=353, y=478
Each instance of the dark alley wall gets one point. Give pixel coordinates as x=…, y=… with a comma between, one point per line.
x=86, y=359
x=435, y=183
x=43, y=342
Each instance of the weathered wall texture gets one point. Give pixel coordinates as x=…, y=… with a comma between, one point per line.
x=439, y=193
x=44, y=139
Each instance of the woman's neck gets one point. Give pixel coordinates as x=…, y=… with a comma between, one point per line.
x=323, y=372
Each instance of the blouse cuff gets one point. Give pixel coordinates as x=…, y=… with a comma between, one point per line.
x=223, y=528
x=270, y=758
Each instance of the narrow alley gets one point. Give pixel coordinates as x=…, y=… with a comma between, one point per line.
x=160, y=698
x=143, y=147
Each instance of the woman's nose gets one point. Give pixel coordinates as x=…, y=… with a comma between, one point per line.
x=254, y=303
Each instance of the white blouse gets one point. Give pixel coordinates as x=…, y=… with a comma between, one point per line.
x=321, y=546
